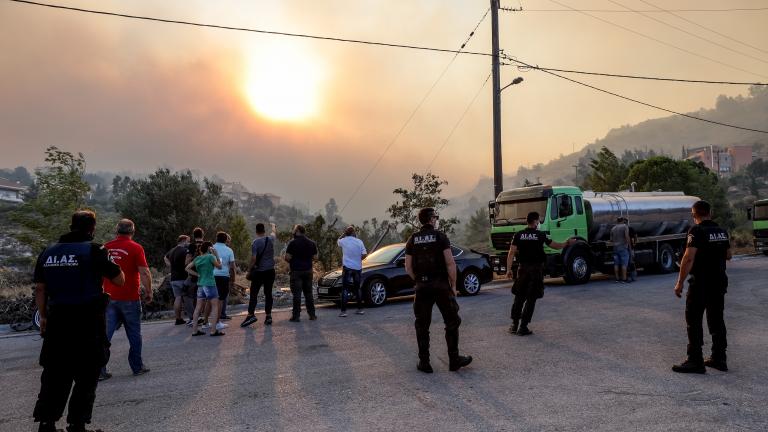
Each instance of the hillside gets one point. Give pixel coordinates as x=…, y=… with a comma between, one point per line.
x=667, y=135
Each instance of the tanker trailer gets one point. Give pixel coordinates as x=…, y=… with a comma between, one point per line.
x=759, y=216
x=660, y=219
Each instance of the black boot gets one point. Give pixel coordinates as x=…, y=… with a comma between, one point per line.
x=514, y=326
x=690, y=366
x=716, y=363
x=523, y=330
x=424, y=366
x=47, y=427
x=459, y=362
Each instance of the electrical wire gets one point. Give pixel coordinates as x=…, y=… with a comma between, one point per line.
x=672, y=12
x=645, y=103
x=251, y=30
x=410, y=117
x=660, y=41
x=680, y=29
x=458, y=122
x=760, y=9
x=524, y=67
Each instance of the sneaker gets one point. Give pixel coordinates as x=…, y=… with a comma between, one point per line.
x=360, y=312
x=221, y=326
x=141, y=371
x=180, y=321
x=312, y=317
x=205, y=326
x=198, y=333
x=189, y=323
x=720, y=365
x=342, y=315
x=459, y=362
x=249, y=320
x=218, y=333
x=104, y=376
x=295, y=319
x=225, y=318
x=268, y=320
x=689, y=367
x=524, y=331
x=424, y=366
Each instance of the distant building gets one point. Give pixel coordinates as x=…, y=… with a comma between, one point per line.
x=723, y=161
x=240, y=194
x=11, y=191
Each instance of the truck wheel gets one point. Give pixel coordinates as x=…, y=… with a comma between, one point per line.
x=577, y=267
x=666, y=259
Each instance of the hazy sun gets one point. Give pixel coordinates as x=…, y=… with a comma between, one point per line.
x=284, y=85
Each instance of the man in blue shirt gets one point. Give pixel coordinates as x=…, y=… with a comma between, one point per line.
x=300, y=253
x=225, y=276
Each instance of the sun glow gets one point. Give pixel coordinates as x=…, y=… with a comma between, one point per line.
x=284, y=85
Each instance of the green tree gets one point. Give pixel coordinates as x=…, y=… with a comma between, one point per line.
x=59, y=191
x=325, y=236
x=425, y=192
x=167, y=204
x=241, y=238
x=478, y=229
x=607, y=172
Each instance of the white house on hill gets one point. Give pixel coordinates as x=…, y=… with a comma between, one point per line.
x=11, y=191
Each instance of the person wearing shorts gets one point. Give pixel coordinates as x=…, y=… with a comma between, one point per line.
x=621, y=245
x=202, y=266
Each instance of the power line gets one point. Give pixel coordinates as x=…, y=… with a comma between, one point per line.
x=525, y=67
x=680, y=29
x=659, y=40
x=251, y=30
x=760, y=9
x=410, y=117
x=650, y=105
x=458, y=122
x=672, y=12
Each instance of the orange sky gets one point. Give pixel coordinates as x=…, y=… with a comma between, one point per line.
x=136, y=96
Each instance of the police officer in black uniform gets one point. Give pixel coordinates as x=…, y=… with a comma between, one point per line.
x=708, y=248
x=71, y=301
x=429, y=262
x=529, y=284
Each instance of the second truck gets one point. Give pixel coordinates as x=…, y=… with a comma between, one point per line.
x=660, y=219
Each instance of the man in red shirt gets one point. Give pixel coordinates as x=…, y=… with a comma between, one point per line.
x=125, y=301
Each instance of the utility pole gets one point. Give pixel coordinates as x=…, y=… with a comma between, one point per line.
x=498, y=173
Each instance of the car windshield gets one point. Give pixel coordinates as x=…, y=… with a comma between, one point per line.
x=384, y=255
x=761, y=212
x=509, y=213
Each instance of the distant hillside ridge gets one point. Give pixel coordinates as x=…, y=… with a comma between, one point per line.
x=666, y=136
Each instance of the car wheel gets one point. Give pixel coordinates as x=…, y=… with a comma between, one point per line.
x=470, y=283
x=375, y=292
x=666, y=263
x=578, y=269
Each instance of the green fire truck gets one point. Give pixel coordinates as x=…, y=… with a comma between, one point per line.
x=660, y=220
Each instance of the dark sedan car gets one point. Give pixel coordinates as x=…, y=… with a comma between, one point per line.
x=384, y=275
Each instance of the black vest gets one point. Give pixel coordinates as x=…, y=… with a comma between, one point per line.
x=69, y=274
x=428, y=260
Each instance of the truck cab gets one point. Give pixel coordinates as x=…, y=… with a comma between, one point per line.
x=760, y=225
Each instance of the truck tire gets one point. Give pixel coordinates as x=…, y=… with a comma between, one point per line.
x=578, y=267
x=666, y=260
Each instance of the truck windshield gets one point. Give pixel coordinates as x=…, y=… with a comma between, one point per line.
x=515, y=212
x=761, y=212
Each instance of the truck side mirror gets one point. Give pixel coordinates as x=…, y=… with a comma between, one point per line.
x=491, y=211
x=749, y=213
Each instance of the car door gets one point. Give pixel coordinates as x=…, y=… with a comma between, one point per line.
x=399, y=281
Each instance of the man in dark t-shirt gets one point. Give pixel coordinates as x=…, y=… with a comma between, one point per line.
x=299, y=254
x=176, y=260
x=429, y=262
x=528, y=244
x=707, y=249
x=71, y=301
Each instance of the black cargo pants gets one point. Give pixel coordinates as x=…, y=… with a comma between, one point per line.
x=75, y=348
x=709, y=297
x=528, y=287
x=427, y=295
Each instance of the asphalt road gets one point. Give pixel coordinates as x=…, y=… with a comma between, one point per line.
x=599, y=360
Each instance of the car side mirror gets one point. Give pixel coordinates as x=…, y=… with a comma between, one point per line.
x=400, y=262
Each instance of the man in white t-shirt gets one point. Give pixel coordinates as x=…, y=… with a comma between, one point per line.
x=353, y=252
